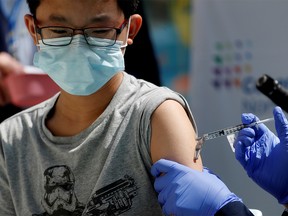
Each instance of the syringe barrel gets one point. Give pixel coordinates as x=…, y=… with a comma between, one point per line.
x=223, y=132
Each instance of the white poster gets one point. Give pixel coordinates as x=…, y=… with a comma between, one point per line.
x=235, y=42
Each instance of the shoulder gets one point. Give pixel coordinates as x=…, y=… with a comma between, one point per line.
x=169, y=113
x=149, y=95
x=29, y=115
x=169, y=106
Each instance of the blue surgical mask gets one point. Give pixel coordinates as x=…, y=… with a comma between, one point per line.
x=78, y=68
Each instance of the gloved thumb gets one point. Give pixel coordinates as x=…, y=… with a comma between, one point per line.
x=248, y=118
x=281, y=123
x=164, y=166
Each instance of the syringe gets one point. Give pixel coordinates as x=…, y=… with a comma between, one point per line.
x=223, y=132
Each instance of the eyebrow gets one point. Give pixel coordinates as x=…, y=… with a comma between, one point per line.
x=57, y=18
x=100, y=18
x=97, y=19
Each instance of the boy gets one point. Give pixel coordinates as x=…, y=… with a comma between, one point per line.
x=89, y=149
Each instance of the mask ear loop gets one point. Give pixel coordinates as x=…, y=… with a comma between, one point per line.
x=125, y=45
x=37, y=39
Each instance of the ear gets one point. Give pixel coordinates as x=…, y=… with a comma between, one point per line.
x=135, y=25
x=30, y=25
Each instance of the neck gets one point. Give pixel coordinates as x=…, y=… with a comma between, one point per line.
x=72, y=114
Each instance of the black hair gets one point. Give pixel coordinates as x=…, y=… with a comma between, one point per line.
x=128, y=7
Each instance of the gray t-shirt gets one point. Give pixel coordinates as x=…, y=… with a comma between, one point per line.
x=104, y=170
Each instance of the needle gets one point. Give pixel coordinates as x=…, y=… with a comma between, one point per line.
x=223, y=132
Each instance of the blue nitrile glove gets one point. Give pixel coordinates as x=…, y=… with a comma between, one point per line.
x=264, y=156
x=184, y=191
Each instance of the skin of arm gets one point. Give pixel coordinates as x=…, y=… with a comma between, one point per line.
x=173, y=136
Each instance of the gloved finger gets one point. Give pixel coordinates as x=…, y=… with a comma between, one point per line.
x=246, y=136
x=281, y=123
x=162, y=166
x=256, y=153
x=248, y=118
x=168, y=193
x=169, y=184
x=162, y=198
x=240, y=153
x=167, y=209
x=161, y=182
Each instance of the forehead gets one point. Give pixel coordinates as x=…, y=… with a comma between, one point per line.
x=78, y=12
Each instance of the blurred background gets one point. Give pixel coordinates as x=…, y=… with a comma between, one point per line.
x=170, y=25
x=213, y=52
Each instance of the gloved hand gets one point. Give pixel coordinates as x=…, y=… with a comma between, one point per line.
x=184, y=191
x=265, y=156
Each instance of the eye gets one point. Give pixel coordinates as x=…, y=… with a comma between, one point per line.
x=56, y=32
x=59, y=31
x=100, y=32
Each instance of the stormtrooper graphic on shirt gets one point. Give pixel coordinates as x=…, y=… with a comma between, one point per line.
x=60, y=198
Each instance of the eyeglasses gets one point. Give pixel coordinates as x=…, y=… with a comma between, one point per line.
x=51, y=32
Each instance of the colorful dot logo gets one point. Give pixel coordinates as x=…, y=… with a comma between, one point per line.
x=231, y=60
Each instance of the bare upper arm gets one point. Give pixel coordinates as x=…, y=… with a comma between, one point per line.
x=173, y=136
